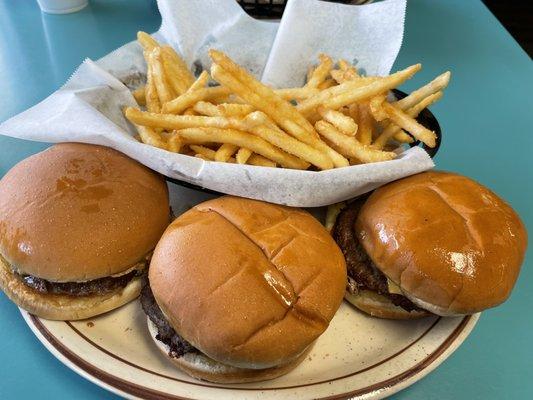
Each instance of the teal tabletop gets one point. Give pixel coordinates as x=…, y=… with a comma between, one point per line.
x=486, y=117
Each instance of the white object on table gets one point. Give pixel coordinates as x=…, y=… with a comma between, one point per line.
x=62, y=6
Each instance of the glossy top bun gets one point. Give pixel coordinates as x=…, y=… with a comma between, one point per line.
x=77, y=212
x=250, y=284
x=453, y=246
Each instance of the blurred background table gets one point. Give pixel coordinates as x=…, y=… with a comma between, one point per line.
x=486, y=118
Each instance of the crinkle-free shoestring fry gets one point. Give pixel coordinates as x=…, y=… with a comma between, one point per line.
x=338, y=118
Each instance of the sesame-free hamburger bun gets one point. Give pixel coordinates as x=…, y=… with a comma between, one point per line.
x=249, y=284
x=440, y=241
x=78, y=223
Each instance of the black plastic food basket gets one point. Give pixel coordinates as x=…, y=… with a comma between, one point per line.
x=274, y=8
x=426, y=118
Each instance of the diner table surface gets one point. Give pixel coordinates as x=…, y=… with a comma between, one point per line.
x=486, y=117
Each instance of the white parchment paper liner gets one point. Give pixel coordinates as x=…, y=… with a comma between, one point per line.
x=89, y=107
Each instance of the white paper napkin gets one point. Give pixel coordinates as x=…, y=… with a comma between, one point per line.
x=88, y=108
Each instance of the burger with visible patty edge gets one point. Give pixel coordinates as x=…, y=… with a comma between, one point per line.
x=78, y=224
x=435, y=242
x=240, y=289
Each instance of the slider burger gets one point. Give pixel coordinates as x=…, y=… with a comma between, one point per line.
x=435, y=242
x=78, y=224
x=239, y=289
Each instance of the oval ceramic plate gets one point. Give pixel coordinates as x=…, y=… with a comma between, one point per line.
x=357, y=357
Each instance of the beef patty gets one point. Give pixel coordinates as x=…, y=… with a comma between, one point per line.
x=362, y=272
x=165, y=333
x=97, y=286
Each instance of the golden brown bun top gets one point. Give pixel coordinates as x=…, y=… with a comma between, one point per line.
x=251, y=284
x=77, y=212
x=447, y=241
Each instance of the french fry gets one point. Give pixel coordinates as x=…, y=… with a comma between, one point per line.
x=350, y=146
x=414, y=111
x=343, y=123
x=308, y=106
x=403, y=137
x=410, y=125
x=243, y=155
x=147, y=42
x=152, y=100
x=258, y=123
x=174, y=143
x=376, y=109
x=350, y=72
x=327, y=84
x=223, y=110
x=164, y=91
x=188, y=99
x=366, y=125
x=320, y=72
x=189, y=111
x=437, y=84
x=208, y=109
x=332, y=213
x=235, y=110
x=172, y=122
x=140, y=95
x=225, y=151
x=242, y=139
x=392, y=129
x=205, y=152
x=256, y=159
x=297, y=93
x=372, y=89
x=200, y=82
x=227, y=98
x=353, y=111
x=338, y=75
x=179, y=76
x=151, y=137
x=264, y=99
x=345, y=66
x=344, y=74
x=354, y=91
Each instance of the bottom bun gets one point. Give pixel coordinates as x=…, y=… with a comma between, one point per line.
x=63, y=307
x=432, y=308
x=380, y=306
x=202, y=367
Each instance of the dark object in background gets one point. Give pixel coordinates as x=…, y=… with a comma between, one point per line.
x=274, y=8
x=517, y=17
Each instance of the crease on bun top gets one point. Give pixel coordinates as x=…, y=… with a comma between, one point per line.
x=262, y=281
x=452, y=245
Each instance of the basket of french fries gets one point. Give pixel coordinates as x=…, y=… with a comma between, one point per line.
x=340, y=133
x=337, y=119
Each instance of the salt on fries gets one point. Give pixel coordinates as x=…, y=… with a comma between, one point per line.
x=338, y=118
